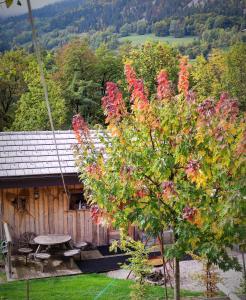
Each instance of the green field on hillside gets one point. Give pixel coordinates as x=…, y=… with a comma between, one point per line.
x=141, y=39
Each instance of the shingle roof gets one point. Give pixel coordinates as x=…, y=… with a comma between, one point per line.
x=33, y=153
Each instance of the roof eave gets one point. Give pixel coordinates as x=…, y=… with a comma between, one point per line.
x=38, y=180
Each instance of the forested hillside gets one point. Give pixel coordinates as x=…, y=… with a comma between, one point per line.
x=77, y=77
x=78, y=69
x=104, y=20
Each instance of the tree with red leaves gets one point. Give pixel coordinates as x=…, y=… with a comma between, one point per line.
x=172, y=162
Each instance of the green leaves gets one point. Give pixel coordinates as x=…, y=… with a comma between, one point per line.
x=165, y=167
x=150, y=59
x=13, y=64
x=8, y=3
x=31, y=112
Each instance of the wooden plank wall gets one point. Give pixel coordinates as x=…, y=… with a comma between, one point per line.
x=50, y=214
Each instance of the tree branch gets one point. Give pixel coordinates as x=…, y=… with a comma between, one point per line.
x=151, y=138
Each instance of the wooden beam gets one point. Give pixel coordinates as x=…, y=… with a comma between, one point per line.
x=38, y=181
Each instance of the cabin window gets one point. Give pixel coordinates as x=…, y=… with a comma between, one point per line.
x=77, y=201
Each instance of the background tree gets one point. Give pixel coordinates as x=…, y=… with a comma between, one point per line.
x=236, y=73
x=126, y=29
x=107, y=36
x=80, y=95
x=109, y=66
x=142, y=26
x=31, y=112
x=12, y=85
x=175, y=161
x=214, y=69
x=161, y=28
x=225, y=70
x=176, y=28
x=150, y=58
x=77, y=73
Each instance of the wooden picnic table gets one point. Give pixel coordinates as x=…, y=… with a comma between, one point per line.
x=52, y=240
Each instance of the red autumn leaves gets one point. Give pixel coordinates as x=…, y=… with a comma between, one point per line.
x=168, y=189
x=113, y=103
x=114, y=106
x=192, y=169
x=139, y=94
x=96, y=214
x=224, y=113
x=205, y=113
x=225, y=106
x=94, y=170
x=164, y=88
x=183, y=84
x=80, y=128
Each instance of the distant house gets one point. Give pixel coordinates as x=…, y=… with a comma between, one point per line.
x=32, y=197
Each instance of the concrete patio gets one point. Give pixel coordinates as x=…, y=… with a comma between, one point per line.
x=57, y=265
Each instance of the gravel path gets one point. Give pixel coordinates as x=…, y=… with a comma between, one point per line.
x=189, y=270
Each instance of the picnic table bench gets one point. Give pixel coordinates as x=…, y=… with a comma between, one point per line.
x=50, y=240
x=71, y=254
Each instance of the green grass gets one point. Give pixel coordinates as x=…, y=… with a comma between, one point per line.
x=86, y=287
x=141, y=39
x=2, y=278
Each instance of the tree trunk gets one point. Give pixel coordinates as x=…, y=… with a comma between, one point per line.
x=163, y=264
x=177, y=280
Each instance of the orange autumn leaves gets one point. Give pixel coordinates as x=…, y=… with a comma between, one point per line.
x=165, y=125
x=192, y=215
x=114, y=105
x=183, y=84
x=164, y=87
x=80, y=128
x=115, y=110
x=139, y=94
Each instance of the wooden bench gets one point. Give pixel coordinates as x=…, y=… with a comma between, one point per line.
x=25, y=251
x=71, y=254
x=81, y=246
x=43, y=257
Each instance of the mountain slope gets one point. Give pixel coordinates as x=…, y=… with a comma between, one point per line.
x=72, y=17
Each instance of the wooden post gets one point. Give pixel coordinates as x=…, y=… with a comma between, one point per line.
x=9, y=245
x=161, y=241
x=9, y=260
x=27, y=289
x=1, y=215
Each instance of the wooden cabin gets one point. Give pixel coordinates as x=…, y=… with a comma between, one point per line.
x=32, y=197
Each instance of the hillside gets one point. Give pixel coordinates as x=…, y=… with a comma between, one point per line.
x=57, y=23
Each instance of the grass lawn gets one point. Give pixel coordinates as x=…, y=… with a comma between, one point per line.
x=140, y=39
x=2, y=278
x=86, y=287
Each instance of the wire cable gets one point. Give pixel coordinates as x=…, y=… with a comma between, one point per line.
x=45, y=89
